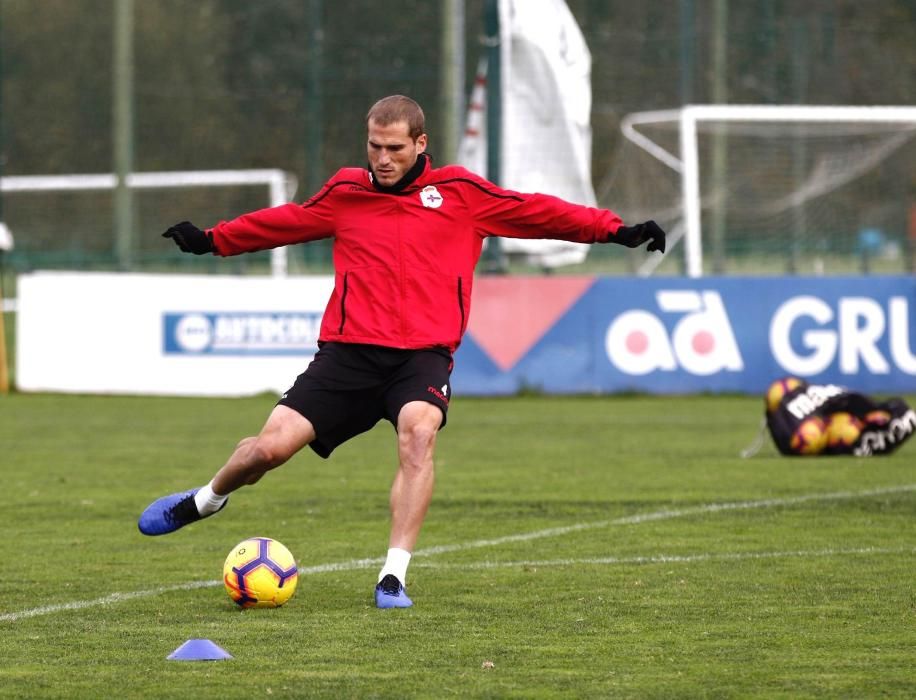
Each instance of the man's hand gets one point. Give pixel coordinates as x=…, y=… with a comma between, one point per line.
x=190, y=238
x=632, y=236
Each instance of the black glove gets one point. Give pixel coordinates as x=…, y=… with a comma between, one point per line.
x=632, y=236
x=190, y=238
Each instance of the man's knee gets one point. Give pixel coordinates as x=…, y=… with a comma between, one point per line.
x=268, y=453
x=285, y=433
x=244, y=443
x=413, y=436
x=418, y=425
x=420, y=419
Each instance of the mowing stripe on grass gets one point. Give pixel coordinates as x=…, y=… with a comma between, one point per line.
x=105, y=600
x=666, y=515
x=670, y=558
x=522, y=537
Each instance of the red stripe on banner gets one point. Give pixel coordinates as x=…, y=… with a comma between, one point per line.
x=509, y=315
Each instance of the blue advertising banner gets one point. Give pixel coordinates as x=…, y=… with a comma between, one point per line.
x=240, y=333
x=676, y=335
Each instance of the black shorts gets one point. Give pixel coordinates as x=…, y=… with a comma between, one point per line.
x=347, y=388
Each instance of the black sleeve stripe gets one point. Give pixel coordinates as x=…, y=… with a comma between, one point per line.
x=315, y=200
x=479, y=187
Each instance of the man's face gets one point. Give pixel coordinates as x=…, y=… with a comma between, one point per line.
x=391, y=151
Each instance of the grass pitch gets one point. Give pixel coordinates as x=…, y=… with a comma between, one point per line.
x=576, y=547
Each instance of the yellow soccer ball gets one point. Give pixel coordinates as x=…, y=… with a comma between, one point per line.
x=778, y=390
x=843, y=430
x=810, y=437
x=260, y=573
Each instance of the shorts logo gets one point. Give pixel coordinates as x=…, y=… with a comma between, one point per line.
x=441, y=395
x=430, y=197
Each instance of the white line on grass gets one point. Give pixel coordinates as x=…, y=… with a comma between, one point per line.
x=670, y=558
x=523, y=537
x=665, y=515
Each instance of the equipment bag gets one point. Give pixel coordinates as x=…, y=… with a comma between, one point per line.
x=813, y=419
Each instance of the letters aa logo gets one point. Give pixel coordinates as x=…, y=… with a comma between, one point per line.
x=701, y=342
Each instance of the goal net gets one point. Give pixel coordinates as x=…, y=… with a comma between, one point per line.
x=67, y=221
x=755, y=189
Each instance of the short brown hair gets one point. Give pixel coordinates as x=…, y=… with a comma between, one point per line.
x=398, y=108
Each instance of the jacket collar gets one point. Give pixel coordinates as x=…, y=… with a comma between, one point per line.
x=409, y=177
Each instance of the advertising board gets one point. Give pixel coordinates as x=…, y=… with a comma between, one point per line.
x=229, y=336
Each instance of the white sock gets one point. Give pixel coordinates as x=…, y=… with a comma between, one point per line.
x=396, y=564
x=207, y=501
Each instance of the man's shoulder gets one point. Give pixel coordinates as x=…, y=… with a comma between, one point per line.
x=453, y=172
x=357, y=175
x=463, y=178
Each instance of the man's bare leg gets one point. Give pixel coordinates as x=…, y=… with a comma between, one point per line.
x=412, y=490
x=411, y=493
x=285, y=433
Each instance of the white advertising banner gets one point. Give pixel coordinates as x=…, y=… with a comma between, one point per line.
x=181, y=335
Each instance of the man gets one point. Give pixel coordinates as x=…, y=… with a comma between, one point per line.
x=406, y=239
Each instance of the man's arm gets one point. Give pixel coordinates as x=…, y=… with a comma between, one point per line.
x=501, y=212
x=274, y=227
x=260, y=230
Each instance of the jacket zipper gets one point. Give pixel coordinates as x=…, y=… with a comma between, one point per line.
x=460, y=307
x=343, y=308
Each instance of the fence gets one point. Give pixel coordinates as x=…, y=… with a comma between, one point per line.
x=284, y=84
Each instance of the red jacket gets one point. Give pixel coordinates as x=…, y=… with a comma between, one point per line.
x=404, y=260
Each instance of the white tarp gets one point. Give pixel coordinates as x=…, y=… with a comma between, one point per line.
x=6, y=237
x=546, y=106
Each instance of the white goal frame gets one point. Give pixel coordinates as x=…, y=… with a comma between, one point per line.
x=687, y=163
x=281, y=186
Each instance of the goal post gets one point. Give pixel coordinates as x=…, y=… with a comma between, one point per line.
x=727, y=156
x=281, y=187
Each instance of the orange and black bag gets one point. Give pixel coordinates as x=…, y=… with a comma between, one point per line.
x=826, y=419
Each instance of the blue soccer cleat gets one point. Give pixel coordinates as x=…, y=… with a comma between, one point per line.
x=170, y=513
x=389, y=593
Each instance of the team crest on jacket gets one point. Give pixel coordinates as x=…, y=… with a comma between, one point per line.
x=430, y=197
